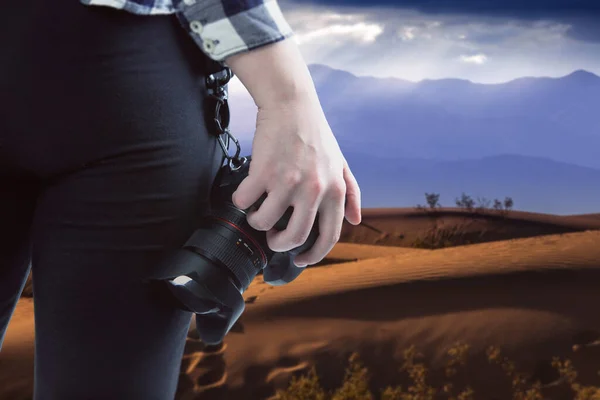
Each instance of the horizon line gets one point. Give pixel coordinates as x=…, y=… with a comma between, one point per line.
x=580, y=70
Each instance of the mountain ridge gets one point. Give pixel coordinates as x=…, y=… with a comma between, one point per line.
x=535, y=139
x=578, y=73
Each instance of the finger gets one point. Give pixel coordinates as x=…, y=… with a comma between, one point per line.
x=270, y=211
x=248, y=192
x=331, y=218
x=353, y=201
x=297, y=230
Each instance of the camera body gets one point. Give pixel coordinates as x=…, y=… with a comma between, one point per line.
x=213, y=269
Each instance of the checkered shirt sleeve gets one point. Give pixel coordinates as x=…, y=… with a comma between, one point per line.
x=223, y=28
x=220, y=28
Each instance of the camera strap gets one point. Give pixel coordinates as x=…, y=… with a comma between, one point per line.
x=218, y=109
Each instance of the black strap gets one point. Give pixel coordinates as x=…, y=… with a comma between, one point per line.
x=212, y=66
x=217, y=113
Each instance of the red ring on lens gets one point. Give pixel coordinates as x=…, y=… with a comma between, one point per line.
x=263, y=255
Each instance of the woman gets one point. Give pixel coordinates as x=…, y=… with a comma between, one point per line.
x=105, y=164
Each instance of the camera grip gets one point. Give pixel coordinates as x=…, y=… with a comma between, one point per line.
x=283, y=222
x=281, y=269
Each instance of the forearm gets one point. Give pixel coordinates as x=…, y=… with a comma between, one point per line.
x=275, y=74
x=251, y=37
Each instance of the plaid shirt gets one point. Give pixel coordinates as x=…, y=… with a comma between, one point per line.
x=221, y=28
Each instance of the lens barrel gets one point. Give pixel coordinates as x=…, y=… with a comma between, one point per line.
x=215, y=266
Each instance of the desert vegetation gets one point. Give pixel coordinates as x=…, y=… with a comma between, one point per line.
x=468, y=203
x=355, y=385
x=438, y=236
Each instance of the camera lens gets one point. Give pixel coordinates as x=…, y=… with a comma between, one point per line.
x=212, y=270
x=227, y=240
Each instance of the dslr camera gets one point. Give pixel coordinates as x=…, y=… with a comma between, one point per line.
x=210, y=272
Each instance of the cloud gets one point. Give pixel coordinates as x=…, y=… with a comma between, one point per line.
x=407, y=32
x=512, y=8
x=361, y=32
x=386, y=40
x=328, y=27
x=474, y=59
x=581, y=16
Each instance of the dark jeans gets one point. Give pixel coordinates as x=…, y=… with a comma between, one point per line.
x=105, y=165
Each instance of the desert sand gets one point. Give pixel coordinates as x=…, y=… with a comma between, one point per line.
x=401, y=226
x=530, y=288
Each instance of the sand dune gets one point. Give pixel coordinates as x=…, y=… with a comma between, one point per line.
x=354, y=252
x=585, y=216
x=404, y=226
x=534, y=256
x=16, y=357
x=537, y=297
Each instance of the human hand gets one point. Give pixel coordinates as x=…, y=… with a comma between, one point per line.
x=297, y=161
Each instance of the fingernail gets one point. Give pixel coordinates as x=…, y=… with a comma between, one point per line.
x=301, y=265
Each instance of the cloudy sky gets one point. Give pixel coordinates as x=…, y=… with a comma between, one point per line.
x=485, y=41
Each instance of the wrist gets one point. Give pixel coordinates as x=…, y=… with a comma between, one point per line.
x=274, y=75
x=288, y=99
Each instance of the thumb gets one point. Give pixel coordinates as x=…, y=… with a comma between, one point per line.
x=247, y=193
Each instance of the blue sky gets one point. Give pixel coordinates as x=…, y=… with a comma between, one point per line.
x=485, y=41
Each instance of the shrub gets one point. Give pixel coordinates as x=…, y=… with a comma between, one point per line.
x=439, y=237
x=465, y=201
x=356, y=381
x=433, y=200
x=305, y=387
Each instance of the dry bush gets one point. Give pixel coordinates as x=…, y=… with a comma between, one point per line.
x=305, y=387
x=478, y=206
x=356, y=382
x=438, y=236
x=569, y=376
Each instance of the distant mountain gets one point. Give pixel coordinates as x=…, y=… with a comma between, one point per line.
x=451, y=119
x=535, y=184
x=535, y=139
